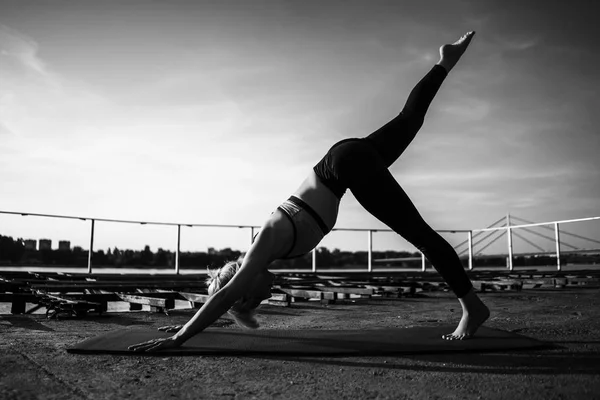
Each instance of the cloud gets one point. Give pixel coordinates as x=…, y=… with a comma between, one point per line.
x=29, y=88
x=420, y=56
x=4, y=130
x=517, y=43
x=490, y=175
x=468, y=109
x=22, y=48
x=477, y=22
x=37, y=101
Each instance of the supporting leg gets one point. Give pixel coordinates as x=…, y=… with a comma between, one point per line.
x=383, y=197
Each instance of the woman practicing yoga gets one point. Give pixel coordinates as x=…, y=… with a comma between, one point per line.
x=299, y=224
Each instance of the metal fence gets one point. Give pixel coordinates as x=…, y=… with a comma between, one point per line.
x=555, y=226
x=507, y=228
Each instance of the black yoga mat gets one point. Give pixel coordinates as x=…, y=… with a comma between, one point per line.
x=312, y=342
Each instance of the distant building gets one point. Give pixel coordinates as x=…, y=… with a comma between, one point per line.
x=64, y=245
x=45, y=244
x=30, y=244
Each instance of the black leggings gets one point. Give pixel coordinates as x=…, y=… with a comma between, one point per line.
x=362, y=166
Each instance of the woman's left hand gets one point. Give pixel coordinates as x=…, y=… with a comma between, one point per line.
x=155, y=344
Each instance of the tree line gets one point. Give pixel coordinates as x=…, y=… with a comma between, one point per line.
x=13, y=252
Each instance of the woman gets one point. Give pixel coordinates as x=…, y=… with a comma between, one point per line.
x=299, y=224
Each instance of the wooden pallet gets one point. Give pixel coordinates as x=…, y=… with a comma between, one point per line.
x=57, y=306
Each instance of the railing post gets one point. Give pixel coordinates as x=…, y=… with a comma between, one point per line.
x=557, y=236
x=370, y=250
x=470, y=237
x=423, y=262
x=510, y=247
x=177, y=251
x=251, y=235
x=314, y=260
x=91, y=251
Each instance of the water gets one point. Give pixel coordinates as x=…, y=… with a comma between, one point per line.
x=99, y=270
x=323, y=270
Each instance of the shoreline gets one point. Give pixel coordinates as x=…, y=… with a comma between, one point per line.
x=320, y=269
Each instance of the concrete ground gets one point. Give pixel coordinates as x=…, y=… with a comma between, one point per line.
x=34, y=363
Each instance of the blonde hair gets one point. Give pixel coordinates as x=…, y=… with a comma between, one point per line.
x=221, y=277
x=243, y=311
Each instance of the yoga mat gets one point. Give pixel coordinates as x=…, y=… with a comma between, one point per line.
x=311, y=342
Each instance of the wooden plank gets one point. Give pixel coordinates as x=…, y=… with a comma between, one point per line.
x=148, y=301
x=167, y=294
x=278, y=297
x=279, y=303
x=58, y=287
x=34, y=308
x=539, y=281
x=584, y=279
x=499, y=282
x=18, y=307
x=30, y=297
x=65, y=299
x=309, y=294
x=560, y=282
x=498, y=285
x=203, y=298
x=6, y=286
x=95, y=297
x=66, y=276
x=146, y=277
x=149, y=283
x=56, y=305
x=346, y=290
x=9, y=297
x=589, y=282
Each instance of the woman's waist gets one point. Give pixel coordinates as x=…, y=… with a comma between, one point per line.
x=325, y=209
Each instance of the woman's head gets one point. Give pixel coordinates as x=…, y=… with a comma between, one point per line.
x=221, y=277
x=243, y=310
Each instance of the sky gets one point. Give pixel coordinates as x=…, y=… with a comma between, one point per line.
x=213, y=112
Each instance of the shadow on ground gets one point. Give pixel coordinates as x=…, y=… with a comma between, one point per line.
x=26, y=322
x=585, y=363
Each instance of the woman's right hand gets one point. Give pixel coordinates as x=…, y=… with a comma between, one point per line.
x=170, y=328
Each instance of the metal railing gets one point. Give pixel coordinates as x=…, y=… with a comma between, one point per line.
x=508, y=228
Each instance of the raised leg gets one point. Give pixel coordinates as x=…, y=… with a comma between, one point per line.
x=451, y=53
x=393, y=138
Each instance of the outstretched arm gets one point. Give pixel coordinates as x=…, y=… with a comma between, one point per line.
x=258, y=257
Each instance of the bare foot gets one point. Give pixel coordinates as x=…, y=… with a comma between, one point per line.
x=475, y=313
x=451, y=53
